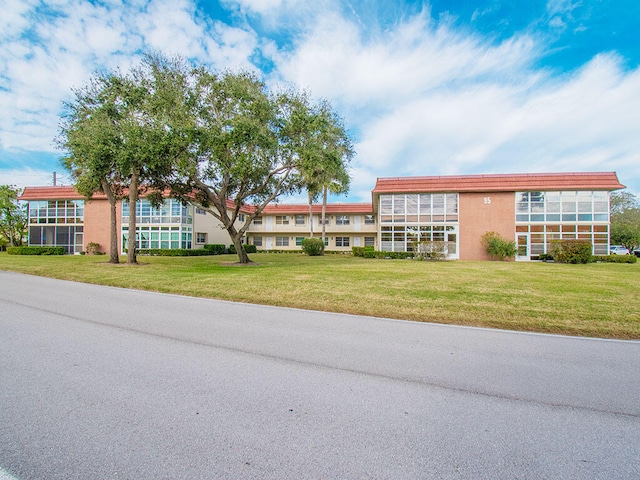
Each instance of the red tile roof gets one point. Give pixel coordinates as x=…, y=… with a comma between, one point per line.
x=500, y=183
x=52, y=193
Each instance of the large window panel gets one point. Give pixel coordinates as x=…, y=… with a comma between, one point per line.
x=452, y=203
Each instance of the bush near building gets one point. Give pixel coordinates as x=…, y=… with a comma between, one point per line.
x=365, y=252
x=572, y=251
x=498, y=247
x=215, y=248
x=35, y=251
x=615, y=258
x=314, y=247
x=247, y=249
x=173, y=252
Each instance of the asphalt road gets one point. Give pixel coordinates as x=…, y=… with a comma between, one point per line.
x=105, y=383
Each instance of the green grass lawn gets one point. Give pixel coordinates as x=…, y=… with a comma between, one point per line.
x=599, y=300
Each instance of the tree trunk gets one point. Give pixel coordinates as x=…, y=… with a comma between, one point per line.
x=242, y=255
x=324, y=214
x=114, y=254
x=310, y=216
x=133, y=200
x=12, y=242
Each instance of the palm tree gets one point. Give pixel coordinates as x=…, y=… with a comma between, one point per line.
x=325, y=159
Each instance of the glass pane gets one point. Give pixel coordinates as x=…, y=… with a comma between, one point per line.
x=438, y=203
x=398, y=204
x=385, y=204
x=452, y=202
x=553, y=207
x=584, y=207
x=412, y=203
x=425, y=203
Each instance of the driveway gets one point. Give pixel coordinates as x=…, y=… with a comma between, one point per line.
x=99, y=382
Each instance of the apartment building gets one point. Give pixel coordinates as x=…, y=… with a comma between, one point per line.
x=283, y=227
x=531, y=209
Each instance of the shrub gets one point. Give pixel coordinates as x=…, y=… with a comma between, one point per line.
x=35, y=250
x=394, y=255
x=571, y=251
x=365, y=252
x=545, y=257
x=430, y=250
x=313, y=247
x=93, y=249
x=498, y=247
x=173, y=252
x=369, y=252
x=215, y=248
x=247, y=249
x=616, y=258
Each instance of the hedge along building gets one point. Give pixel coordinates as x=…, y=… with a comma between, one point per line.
x=531, y=209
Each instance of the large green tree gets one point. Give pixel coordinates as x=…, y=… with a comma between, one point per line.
x=625, y=220
x=240, y=161
x=247, y=146
x=13, y=217
x=89, y=133
x=118, y=133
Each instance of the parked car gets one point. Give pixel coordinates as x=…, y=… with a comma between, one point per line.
x=618, y=250
x=636, y=252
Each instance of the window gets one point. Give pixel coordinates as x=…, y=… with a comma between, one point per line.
x=369, y=241
x=200, y=211
x=257, y=221
x=171, y=211
x=299, y=241
x=369, y=220
x=565, y=206
x=201, y=237
x=61, y=211
x=342, y=220
x=241, y=217
x=342, y=241
x=282, y=241
x=326, y=220
x=282, y=220
x=257, y=241
x=156, y=236
x=300, y=220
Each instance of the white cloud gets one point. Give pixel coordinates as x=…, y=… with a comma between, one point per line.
x=43, y=57
x=334, y=60
x=14, y=19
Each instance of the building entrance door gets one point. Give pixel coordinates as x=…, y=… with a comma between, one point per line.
x=78, y=240
x=522, y=246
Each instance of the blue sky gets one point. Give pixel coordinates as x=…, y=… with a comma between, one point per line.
x=425, y=88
